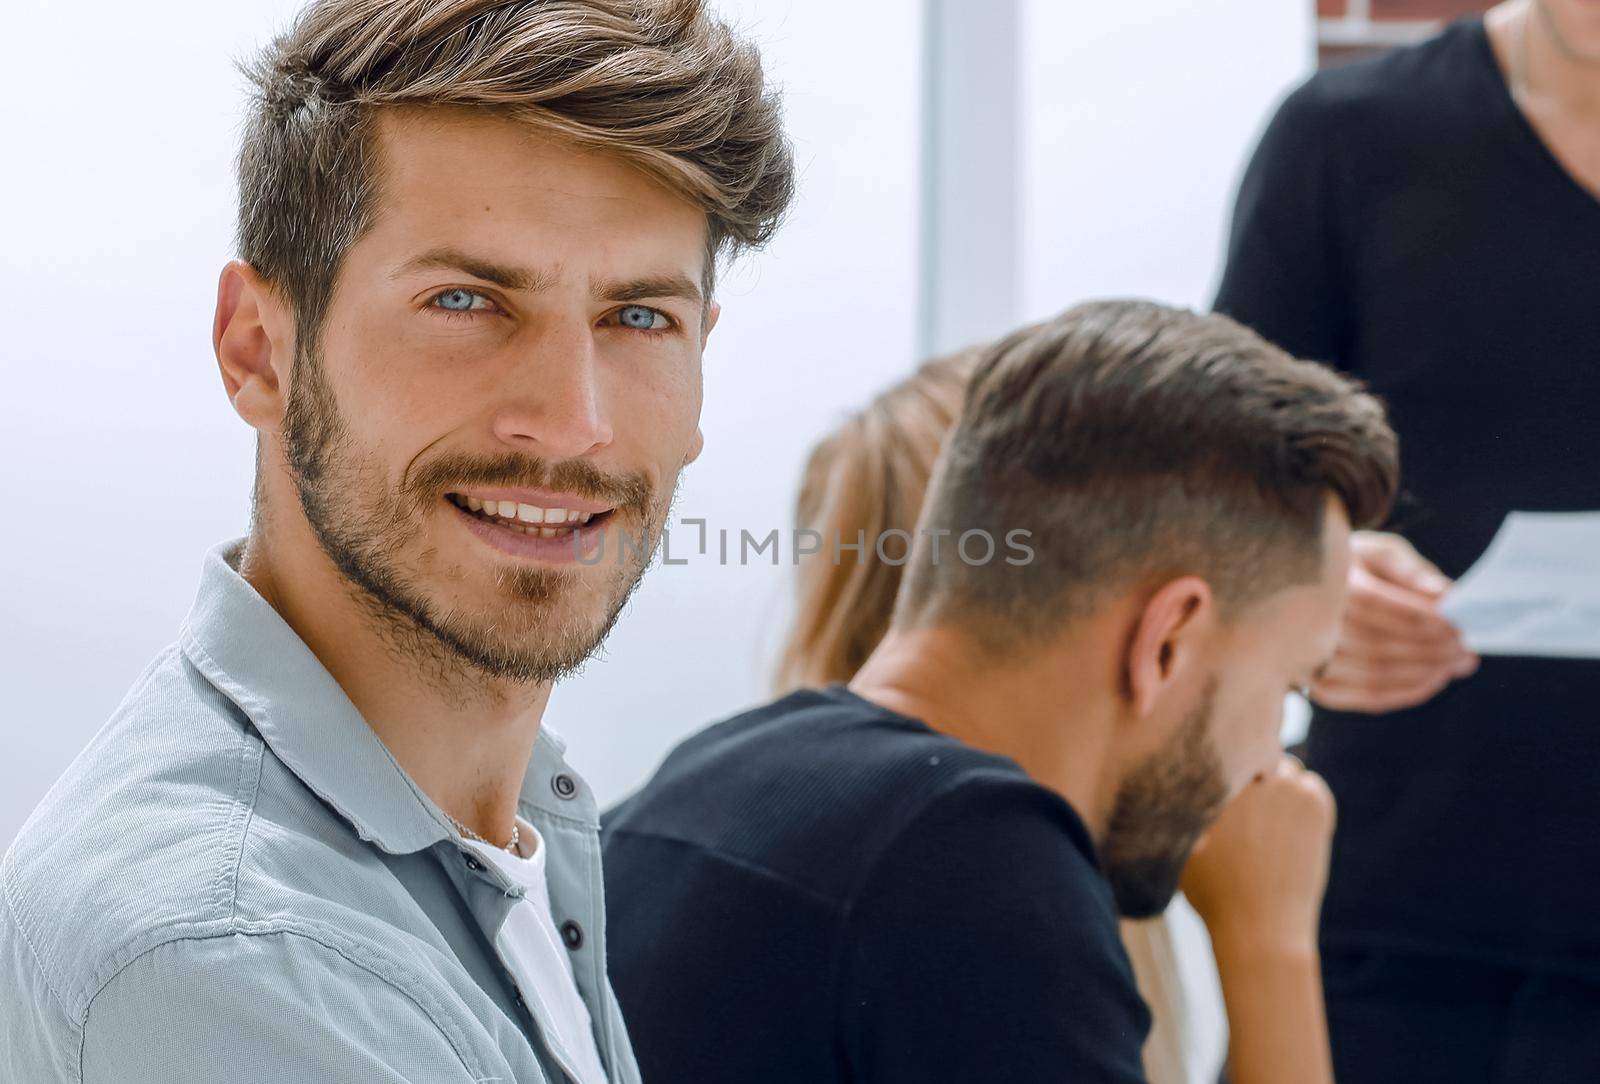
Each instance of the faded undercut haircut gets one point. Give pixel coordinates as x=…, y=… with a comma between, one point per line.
x=1138, y=443
x=660, y=84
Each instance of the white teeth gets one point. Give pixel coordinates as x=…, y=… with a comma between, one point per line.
x=558, y=520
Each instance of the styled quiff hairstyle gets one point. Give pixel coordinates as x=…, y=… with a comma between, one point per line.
x=1138, y=443
x=660, y=84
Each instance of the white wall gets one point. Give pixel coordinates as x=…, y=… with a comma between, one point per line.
x=121, y=461
x=1137, y=119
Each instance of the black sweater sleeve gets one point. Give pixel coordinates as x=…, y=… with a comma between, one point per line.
x=1285, y=274
x=983, y=946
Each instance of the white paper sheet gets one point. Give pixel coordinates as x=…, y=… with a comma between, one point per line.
x=1536, y=589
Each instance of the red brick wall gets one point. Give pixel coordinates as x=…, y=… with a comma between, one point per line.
x=1347, y=29
x=1426, y=9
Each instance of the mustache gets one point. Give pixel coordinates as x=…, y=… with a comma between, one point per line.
x=630, y=491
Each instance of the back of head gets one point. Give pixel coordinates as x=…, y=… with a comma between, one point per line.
x=866, y=477
x=1137, y=443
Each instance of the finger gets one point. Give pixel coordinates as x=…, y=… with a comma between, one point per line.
x=1376, y=646
x=1318, y=786
x=1393, y=558
x=1398, y=607
x=1386, y=607
x=1344, y=695
x=1282, y=768
x=1382, y=676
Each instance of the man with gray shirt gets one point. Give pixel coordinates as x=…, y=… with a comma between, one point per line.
x=324, y=837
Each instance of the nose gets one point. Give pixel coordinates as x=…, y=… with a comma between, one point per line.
x=553, y=403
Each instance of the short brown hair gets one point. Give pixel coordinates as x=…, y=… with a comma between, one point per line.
x=1137, y=443
x=658, y=83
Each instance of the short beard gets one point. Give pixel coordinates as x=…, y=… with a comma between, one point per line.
x=363, y=536
x=1159, y=814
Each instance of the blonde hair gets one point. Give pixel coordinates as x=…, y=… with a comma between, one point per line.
x=658, y=83
x=867, y=475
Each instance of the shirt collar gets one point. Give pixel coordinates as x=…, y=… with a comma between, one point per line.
x=244, y=648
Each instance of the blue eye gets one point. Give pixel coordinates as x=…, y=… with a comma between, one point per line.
x=642, y=318
x=457, y=300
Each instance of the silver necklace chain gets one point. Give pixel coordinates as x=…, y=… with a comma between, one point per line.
x=516, y=836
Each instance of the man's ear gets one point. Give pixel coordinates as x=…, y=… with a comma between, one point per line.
x=713, y=311
x=1165, y=645
x=252, y=334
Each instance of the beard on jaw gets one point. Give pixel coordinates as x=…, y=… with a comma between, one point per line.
x=1160, y=812
x=363, y=525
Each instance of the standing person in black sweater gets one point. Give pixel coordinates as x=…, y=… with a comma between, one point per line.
x=1430, y=221
x=916, y=877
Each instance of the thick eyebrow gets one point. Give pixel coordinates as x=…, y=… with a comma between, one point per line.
x=506, y=276
x=502, y=275
x=670, y=285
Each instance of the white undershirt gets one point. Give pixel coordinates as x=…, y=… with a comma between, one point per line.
x=532, y=949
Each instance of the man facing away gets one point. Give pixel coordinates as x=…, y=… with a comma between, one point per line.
x=916, y=876
x=324, y=837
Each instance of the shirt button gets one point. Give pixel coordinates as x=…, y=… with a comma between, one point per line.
x=572, y=934
x=564, y=786
x=474, y=865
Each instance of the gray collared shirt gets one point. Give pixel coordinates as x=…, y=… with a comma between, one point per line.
x=236, y=881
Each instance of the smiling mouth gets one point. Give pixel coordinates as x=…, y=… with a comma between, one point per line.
x=528, y=519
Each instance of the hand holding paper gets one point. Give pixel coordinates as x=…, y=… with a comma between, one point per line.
x=1536, y=590
x=1395, y=650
